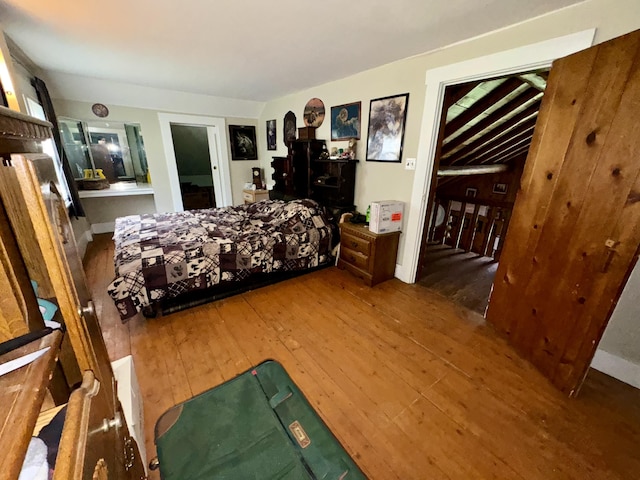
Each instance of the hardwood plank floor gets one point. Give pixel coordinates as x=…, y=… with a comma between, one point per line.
x=414, y=386
x=464, y=278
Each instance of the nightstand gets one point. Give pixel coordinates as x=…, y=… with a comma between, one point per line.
x=252, y=196
x=367, y=255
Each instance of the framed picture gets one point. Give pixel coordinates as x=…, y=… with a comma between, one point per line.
x=345, y=121
x=471, y=192
x=243, y=142
x=289, y=128
x=313, y=115
x=271, y=134
x=500, y=188
x=387, y=118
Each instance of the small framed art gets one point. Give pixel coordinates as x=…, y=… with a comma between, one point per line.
x=345, y=121
x=271, y=134
x=243, y=142
x=500, y=188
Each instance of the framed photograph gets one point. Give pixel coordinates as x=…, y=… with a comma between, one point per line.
x=313, y=115
x=500, y=188
x=471, y=192
x=345, y=121
x=387, y=118
x=271, y=134
x=243, y=142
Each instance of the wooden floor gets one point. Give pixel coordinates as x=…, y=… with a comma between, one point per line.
x=412, y=385
x=465, y=278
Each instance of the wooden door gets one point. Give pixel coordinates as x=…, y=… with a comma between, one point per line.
x=575, y=231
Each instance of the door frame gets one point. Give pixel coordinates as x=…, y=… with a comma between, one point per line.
x=218, y=151
x=530, y=57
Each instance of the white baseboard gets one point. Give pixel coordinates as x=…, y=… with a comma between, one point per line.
x=623, y=370
x=403, y=274
x=108, y=227
x=83, y=241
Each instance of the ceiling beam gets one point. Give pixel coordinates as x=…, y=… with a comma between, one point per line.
x=516, y=144
x=493, y=137
x=457, y=92
x=482, y=104
x=493, y=117
x=523, y=150
x=471, y=170
x=500, y=143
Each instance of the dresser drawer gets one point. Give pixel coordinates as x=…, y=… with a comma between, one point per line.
x=356, y=244
x=247, y=196
x=355, y=258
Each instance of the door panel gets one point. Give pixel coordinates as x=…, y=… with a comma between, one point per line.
x=573, y=237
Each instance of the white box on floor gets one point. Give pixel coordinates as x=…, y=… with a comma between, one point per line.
x=131, y=400
x=386, y=216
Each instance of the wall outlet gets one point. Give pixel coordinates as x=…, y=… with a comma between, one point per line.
x=410, y=164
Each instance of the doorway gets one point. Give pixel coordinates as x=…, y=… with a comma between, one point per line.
x=486, y=130
x=214, y=129
x=529, y=57
x=191, y=147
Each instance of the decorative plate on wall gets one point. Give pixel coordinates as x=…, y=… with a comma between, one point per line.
x=99, y=110
x=314, y=113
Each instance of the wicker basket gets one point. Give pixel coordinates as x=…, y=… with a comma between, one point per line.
x=95, y=183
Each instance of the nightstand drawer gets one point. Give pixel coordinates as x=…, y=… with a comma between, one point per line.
x=354, y=258
x=357, y=244
x=251, y=196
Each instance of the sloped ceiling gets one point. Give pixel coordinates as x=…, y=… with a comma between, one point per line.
x=245, y=49
x=491, y=122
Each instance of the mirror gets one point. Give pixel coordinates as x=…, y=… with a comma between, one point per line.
x=114, y=149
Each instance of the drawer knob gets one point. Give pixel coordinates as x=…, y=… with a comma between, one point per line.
x=284, y=175
x=354, y=244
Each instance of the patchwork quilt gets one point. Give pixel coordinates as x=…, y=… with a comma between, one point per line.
x=164, y=255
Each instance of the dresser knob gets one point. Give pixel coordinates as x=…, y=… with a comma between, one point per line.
x=354, y=244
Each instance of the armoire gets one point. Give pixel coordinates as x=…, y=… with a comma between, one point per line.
x=38, y=248
x=307, y=172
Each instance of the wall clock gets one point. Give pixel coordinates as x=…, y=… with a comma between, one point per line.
x=99, y=110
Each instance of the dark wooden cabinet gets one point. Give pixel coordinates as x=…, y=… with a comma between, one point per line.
x=305, y=174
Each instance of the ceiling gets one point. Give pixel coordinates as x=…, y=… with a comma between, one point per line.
x=244, y=49
x=491, y=122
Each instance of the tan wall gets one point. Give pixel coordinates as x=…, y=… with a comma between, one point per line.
x=150, y=126
x=378, y=181
x=385, y=181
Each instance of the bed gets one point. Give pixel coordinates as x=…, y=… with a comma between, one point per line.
x=169, y=257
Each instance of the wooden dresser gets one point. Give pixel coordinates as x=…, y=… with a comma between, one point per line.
x=369, y=256
x=37, y=244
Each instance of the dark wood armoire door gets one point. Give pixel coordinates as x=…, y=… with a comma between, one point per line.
x=575, y=231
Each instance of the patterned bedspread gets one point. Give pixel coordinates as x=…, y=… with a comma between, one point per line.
x=164, y=255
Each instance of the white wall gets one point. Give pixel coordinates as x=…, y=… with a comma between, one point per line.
x=152, y=137
x=619, y=350
x=386, y=181
x=380, y=181
x=102, y=212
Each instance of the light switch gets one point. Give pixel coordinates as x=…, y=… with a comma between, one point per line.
x=410, y=164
